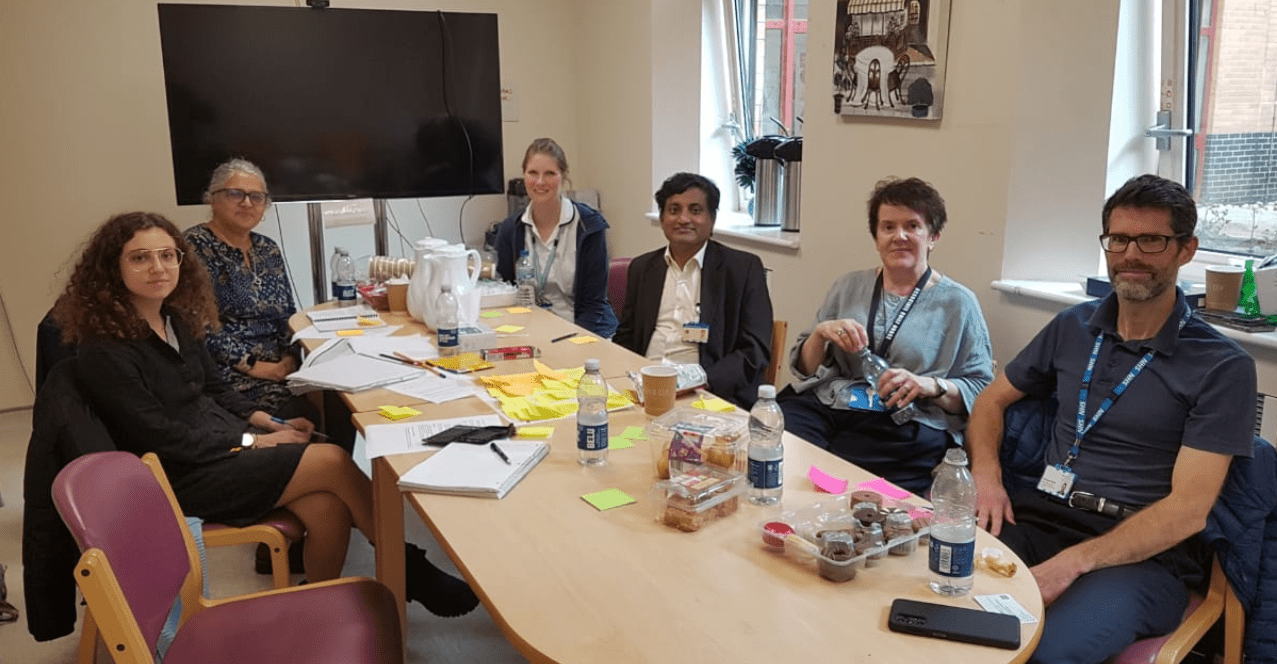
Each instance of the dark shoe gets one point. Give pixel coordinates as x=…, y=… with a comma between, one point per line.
x=295, y=563
x=440, y=592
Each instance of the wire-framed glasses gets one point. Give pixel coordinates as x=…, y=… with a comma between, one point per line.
x=142, y=259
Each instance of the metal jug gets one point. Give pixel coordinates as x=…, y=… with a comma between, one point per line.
x=767, y=184
x=790, y=153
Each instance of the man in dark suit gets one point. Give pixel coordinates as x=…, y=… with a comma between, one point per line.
x=697, y=301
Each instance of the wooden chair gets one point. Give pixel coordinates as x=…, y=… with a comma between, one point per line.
x=779, y=329
x=277, y=530
x=1202, y=614
x=139, y=558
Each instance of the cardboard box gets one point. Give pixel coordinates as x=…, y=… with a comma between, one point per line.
x=475, y=338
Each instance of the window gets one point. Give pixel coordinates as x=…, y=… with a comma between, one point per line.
x=780, y=61
x=1231, y=162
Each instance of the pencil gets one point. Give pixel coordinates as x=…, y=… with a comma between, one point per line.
x=566, y=336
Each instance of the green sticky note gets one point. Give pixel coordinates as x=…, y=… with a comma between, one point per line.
x=607, y=499
x=634, y=433
x=490, y=314
x=619, y=442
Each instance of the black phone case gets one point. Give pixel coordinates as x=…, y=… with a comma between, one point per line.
x=462, y=433
x=954, y=623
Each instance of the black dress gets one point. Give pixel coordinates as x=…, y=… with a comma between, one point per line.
x=154, y=398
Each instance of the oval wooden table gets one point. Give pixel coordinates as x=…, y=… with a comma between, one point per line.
x=570, y=584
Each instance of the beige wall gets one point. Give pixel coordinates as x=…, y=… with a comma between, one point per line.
x=1020, y=151
x=83, y=126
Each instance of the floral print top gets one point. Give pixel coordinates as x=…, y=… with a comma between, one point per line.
x=254, y=304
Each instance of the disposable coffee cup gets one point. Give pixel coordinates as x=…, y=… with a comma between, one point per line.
x=397, y=294
x=1223, y=286
x=660, y=384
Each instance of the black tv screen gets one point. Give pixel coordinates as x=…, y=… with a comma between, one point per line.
x=334, y=103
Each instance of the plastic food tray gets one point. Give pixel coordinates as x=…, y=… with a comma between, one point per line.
x=724, y=437
x=697, y=498
x=831, y=514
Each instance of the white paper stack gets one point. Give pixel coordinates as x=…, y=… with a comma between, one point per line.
x=475, y=470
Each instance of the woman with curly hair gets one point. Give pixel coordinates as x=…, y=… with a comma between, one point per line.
x=139, y=310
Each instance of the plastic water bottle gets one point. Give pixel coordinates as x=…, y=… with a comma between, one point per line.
x=872, y=367
x=766, y=454
x=343, y=278
x=951, y=560
x=525, y=294
x=591, y=417
x=447, y=335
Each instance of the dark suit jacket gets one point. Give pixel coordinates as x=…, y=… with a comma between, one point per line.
x=734, y=303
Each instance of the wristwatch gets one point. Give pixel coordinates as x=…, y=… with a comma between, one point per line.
x=248, y=440
x=941, y=386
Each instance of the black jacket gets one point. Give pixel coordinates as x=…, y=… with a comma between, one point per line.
x=64, y=427
x=734, y=302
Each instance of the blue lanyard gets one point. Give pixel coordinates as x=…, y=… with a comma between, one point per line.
x=1084, y=427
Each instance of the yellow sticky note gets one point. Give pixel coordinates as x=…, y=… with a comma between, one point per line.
x=350, y=333
x=607, y=499
x=368, y=321
x=398, y=412
x=714, y=404
x=582, y=340
x=507, y=329
x=634, y=433
x=619, y=443
x=536, y=432
x=519, y=310
x=490, y=314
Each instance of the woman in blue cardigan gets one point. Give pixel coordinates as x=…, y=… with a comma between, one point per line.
x=567, y=242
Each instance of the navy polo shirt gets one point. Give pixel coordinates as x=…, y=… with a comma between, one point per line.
x=1198, y=391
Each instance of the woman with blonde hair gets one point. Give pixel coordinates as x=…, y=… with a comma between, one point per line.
x=566, y=241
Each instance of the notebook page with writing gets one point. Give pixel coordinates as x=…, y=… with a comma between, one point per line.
x=475, y=470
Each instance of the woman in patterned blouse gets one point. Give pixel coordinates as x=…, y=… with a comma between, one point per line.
x=252, y=350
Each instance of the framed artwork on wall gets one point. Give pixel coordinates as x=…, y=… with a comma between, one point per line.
x=889, y=58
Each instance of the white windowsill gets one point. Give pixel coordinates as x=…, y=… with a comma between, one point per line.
x=740, y=226
x=1071, y=293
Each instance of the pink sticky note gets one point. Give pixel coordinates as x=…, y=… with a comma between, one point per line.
x=882, y=486
x=826, y=482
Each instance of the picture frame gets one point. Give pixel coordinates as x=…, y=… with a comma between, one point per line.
x=889, y=58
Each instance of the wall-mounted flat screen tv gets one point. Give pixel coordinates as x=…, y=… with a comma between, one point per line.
x=334, y=103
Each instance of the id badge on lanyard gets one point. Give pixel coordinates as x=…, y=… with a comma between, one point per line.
x=1057, y=480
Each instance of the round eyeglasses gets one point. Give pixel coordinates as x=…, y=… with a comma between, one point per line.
x=1149, y=244
x=238, y=196
x=142, y=259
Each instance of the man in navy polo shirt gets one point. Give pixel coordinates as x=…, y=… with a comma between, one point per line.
x=1128, y=480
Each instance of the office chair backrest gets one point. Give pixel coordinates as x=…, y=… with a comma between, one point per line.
x=617, y=274
x=112, y=502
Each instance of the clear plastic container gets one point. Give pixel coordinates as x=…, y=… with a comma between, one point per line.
x=692, y=500
x=816, y=535
x=699, y=438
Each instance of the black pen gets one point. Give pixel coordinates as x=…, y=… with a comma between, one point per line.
x=500, y=453
x=316, y=434
x=566, y=336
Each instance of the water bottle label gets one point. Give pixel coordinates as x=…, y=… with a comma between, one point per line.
x=765, y=474
x=591, y=437
x=344, y=291
x=448, y=338
x=951, y=559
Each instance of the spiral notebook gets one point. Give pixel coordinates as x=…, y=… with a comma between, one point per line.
x=475, y=470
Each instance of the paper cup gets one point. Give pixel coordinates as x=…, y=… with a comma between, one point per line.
x=1223, y=286
x=660, y=384
x=397, y=294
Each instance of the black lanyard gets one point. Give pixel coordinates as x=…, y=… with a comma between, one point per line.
x=900, y=315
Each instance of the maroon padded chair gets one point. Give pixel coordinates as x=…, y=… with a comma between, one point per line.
x=138, y=558
x=617, y=273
